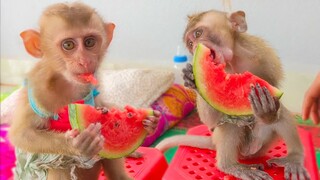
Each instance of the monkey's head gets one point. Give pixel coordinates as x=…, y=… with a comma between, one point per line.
x=216, y=30
x=73, y=39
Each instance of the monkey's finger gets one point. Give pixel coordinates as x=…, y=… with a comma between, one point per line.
x=82, y=136
x=103, y=110
x=96, y=129
x=72, y=133
x=270, y=99
x=156, y=113
x=189, y=84
x=95, y=146
x=255, y=103
x=288, y=172
x=149, y=129
x=301, y=174
x=154, y=120
x=306, y=175
x=187, y=74
x=187, y=79
x=149, y=123
x=263, y=99
x=189, y=67
x=88, y=135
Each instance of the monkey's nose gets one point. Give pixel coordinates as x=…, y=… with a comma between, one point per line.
x=83, y=64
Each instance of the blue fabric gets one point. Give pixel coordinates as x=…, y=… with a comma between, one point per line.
x=89, y=99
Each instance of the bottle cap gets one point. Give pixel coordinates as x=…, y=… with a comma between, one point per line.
x=180, y=58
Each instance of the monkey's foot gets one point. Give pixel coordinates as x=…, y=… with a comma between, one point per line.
x=248, y=172
x=291, y=169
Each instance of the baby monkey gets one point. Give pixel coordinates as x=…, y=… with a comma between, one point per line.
x=71, y=42
x=241, y=136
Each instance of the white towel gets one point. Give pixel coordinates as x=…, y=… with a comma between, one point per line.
x=136, y=87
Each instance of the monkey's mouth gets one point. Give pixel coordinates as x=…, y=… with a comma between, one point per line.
x=87, y=78
x=213, y=56
x=216, y=56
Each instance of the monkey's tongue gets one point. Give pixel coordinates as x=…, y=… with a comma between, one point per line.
x=88, y=77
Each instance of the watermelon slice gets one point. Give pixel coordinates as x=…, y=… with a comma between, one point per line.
x=88, y=77
x=123, y=130
x=227, y=93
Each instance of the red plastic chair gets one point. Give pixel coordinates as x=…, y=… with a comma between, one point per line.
x=150, y=167
x=196, y=164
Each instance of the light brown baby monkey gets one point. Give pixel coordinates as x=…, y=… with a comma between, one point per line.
x=241, y=136
x=71, y=43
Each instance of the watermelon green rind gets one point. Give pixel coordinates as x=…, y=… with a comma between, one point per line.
x=72, y=108
x=219, y=98
x=110, y=155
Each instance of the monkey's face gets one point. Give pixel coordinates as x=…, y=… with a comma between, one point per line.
x=76, y=50
x=212, y=31
x=81, y=54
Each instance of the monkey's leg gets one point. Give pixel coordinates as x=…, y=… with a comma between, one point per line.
x=92, y=173
x=114, y=169
x=228, y=138
x=293, y=162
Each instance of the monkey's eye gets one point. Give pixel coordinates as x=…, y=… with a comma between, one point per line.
x=197, y=33
x=68, y=45
x=89, y=42
x=190, y=44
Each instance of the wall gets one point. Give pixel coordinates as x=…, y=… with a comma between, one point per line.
x=148, y=31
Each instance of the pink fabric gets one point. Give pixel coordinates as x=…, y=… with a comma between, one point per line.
x=7, y=154
x=175, y=104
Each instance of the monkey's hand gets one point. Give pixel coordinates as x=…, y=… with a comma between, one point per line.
x=188, y=76
x=265, y=106
x=291, y=168
x=151, y=122
x=247, y=172
x=103, y=110
x=88, y=142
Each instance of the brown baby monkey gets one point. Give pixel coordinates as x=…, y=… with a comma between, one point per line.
x=71, y=42
x=241, y=136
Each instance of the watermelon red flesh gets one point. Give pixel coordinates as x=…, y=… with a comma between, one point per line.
x=227, y=93
x=123, y=130
x=88, y=77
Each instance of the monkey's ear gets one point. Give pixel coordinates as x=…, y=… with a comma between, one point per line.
x=109, y=27
x=238, y=21
x=31, y=40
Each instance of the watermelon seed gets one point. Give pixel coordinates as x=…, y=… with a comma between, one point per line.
x=116, y=124
x=129, y=115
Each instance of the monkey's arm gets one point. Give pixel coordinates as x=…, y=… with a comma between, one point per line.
x=25, y=134
x=271, y=111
